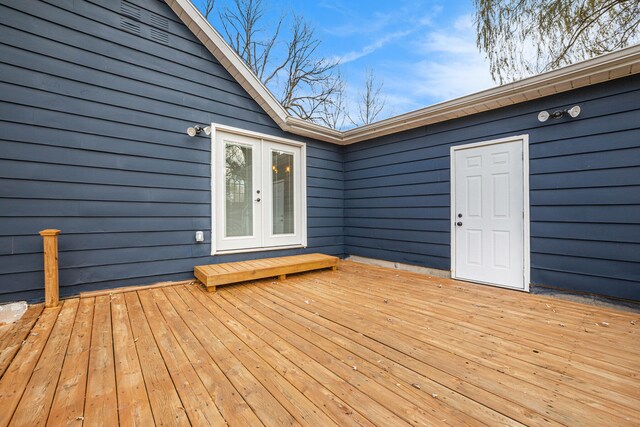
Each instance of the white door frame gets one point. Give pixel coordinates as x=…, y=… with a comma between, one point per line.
x=524, y=139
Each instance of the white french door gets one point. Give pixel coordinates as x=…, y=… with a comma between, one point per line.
x=258, y=193
x=490, y=213
x=282, y=205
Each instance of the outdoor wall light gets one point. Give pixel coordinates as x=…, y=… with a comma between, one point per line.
x=195, y=130
x=574, y=112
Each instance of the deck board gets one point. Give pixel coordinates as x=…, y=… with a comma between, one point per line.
x=512, y=380
x=35, y=405
x=163, y=396
x=101, y=404
x=133, y=401
x=16, y=377
x=68, y=403
x=359, y=346
x=13, y=336
x=265, y=406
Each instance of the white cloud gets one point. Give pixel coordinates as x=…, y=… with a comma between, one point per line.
x=450, y=79
x=370, y=48
x=428, y=19
x=464, y=23
x=452, y=65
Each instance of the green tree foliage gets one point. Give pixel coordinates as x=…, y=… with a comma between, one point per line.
x=525, y=37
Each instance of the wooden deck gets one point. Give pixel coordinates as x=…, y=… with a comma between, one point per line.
x=358, y=346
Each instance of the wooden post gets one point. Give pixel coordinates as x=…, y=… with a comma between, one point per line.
x=51, y=293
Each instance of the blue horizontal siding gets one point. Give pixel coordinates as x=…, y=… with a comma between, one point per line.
x=93, y=143
x=584, y=189
x=93, y=140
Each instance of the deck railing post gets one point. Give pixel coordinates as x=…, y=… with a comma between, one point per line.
x=51, y=292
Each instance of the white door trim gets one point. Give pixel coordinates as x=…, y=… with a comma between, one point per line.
x=524, y=139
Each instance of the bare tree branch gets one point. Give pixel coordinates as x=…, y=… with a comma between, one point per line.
x=333, y=113
x=208, y=8
x=302, y=79
x=370, y=101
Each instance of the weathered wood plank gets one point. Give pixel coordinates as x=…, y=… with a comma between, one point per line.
x=231, y=405
x=269, y=312
x=101, y=406
x=165, y=402
x=133, y=402
x=196, y=401
x=68, y=404
x=264, y=405
x=113, y=291
x=35, y=404
x=17, y=375
x=15, y=334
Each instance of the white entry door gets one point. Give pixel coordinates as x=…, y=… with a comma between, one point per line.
x=489, y=213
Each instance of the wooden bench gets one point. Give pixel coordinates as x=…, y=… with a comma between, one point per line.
x=233, y=272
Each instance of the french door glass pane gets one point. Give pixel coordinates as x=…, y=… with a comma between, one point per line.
x=238, y=190
x=283, y=193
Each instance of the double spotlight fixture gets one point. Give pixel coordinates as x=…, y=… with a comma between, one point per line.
x=197, y=129
x=574, y=112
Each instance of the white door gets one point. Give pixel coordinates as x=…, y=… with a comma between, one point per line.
x=258, y=193
x=283, y=205
x=488, y=213
x=238, y=207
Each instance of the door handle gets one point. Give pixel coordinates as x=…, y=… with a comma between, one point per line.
x=459, y=224
x=258, y=199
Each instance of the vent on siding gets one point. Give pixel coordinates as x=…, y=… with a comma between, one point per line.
x=159, y=35
x=159, y=21
x=144, y=22
x=130, y=10
x=133, y=27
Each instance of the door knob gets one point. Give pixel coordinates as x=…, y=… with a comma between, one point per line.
x=459, y=224
x=258, y=199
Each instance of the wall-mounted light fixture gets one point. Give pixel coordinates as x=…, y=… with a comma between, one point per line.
x=196, y=129
x=574, y=112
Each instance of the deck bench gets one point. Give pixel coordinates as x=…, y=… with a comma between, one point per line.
x=214, y=275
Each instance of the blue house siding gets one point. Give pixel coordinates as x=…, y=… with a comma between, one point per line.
x=93, y=142
x=95, y=98
x=584, y=189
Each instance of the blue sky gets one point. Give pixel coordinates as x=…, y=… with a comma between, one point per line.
x=424, y=51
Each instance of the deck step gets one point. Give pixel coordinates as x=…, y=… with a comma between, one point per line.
x=233, y=272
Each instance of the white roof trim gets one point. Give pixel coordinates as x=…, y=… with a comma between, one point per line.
x=610, y=66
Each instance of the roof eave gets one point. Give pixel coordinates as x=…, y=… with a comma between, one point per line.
x=606, y=67
x=610, y=66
